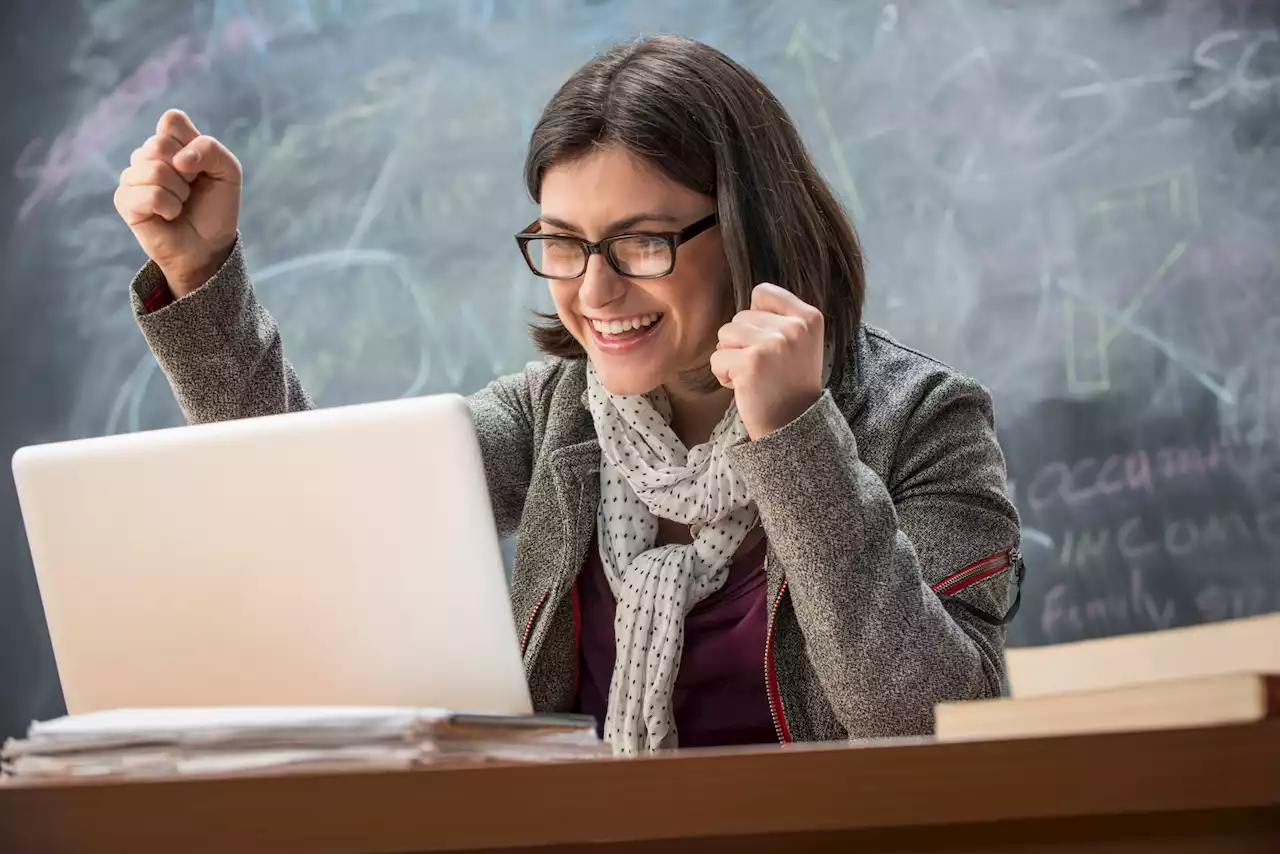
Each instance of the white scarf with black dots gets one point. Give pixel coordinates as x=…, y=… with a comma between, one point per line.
x=646, y=472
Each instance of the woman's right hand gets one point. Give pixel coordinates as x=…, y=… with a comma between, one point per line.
x=181, y=197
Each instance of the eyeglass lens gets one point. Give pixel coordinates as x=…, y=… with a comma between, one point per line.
x=565, y=258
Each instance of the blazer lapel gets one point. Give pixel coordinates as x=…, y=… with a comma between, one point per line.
x=557, y=528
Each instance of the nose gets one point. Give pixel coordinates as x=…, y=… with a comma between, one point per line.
x=601, y=284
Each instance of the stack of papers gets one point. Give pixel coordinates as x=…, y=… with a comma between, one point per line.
x=200, y=741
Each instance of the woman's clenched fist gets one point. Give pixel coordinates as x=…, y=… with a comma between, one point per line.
x=181, y=197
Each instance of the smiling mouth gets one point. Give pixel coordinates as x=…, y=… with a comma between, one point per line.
x=621, y=327
x=615, y=335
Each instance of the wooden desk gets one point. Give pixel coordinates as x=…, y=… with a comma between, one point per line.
x=1212, y=790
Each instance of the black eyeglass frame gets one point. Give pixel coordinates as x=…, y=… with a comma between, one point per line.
x=673, y=240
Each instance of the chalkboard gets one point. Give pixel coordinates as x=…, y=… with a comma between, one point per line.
x=1076, y=202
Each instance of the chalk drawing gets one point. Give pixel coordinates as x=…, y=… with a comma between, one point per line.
x=71, y=149
x=1183, y=360
x=375, y=200
x=1015, y=131
x=1147, y=288
x=128, y=403
x=1255, y=419
x=1170, y=200
x=436, y=359
x=1040, y=538
x=801, y=47
x=1116, y=86
x=1088, y=367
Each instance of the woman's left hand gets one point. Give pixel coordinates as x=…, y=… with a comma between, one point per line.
x=771, y=356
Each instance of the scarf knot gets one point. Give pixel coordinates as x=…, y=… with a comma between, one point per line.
x=647, y=473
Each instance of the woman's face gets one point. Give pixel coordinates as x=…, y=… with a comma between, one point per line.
x=611, y=191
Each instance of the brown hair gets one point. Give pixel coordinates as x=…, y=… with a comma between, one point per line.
x=712, y=126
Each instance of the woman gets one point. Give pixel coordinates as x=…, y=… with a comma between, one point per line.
x=742, y=514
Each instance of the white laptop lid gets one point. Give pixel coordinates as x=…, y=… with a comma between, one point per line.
x=342, y=556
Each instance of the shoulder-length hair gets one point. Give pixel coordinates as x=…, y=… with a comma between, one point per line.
x=713, y=126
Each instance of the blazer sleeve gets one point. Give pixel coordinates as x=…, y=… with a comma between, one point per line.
x=890, y=581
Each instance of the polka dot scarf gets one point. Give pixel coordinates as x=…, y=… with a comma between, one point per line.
x=646, y=473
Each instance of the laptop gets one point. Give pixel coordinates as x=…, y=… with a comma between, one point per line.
x=342, y=556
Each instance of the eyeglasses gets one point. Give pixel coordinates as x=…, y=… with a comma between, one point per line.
x=643, y=255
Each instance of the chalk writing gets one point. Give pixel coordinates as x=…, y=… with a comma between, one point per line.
x=1069, y=612
x=1232, y=602
x=1089, y=478
x=1212, y=59
x=1142, y=472
x=1072, y=610
x=1240, y=79
x=1212, y=536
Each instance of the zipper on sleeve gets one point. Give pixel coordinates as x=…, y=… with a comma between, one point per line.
x=533, y=617
x=771, y=677
x=973, y=573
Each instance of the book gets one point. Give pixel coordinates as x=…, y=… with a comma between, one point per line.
x=1246, y=645
x=1231, y=698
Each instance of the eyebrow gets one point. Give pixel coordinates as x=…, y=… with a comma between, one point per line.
x=614, y=228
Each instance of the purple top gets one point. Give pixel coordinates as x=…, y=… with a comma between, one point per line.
x=720, y=696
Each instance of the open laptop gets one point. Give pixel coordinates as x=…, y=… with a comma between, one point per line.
x=341, y=556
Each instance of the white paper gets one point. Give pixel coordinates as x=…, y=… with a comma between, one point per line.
x=302, y=726
x=166, y=762
x=243, y=739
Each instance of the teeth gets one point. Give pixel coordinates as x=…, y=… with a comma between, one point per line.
x=617, y=327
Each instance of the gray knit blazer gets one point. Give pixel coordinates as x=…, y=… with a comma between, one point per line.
x=891, y=539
